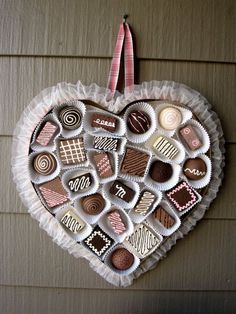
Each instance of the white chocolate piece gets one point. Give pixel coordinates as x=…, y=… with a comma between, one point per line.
x=170, y=118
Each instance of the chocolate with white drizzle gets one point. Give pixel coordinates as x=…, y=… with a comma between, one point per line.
x=70, y=117
x=106, y=143
x=80, y=182
x=122, y=191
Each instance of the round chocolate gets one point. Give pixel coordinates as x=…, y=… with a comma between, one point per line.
x=70, y=117
x=160, y=171
x=44, y=164
x=122, y=259
x=93, y=204
x=195, y=168
x=138, y=122
x=170, y=118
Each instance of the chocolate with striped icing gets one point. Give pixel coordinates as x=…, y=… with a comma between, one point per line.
x=138, y=122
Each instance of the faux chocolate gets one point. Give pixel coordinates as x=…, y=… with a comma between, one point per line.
x=106, y=143
x=98, y=242
x=134, y=162
x=195, y=168
x=81, y=182
x=116, y=221
x=103, y=165
x=44, y=164
x=122, y=191
x=70, y=117
x=138, y=122
x=104, y=122
x=122, y=259
x=163, y=146
x=145, y=202
x=170, y=118
x=163, y=217
x=160, y=171
x=93, y=204
x=190, y=137
x=72, y=222
x=72, y=151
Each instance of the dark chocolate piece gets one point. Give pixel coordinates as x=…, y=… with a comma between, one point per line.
x=190, y=137
x=134, y=162
x=165, y=218
x=98, y=242
x=70, y=117
x=195, y=168
x=80, y=182
x=104, y=122
x=106, y=143
x=138, y=122
x=160, y=171
x=122, y=191
x=122, y=259
x=93, y=204
x=103, y=165
x=182, y=196
x=44, y=164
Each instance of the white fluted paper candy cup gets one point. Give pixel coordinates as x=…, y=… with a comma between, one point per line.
x=81, y=234
x=202, y=135
x=105, y=143
x=83, y=185
x=44, y=163
x=91, y=219
x=170, y=118
x=47, y=139
x=69, y=119
x=106, y=225
x=164, y=151
x=158, y=226
x=119, y=124
x=138, y=216
x=204, y=181
x=145, y=108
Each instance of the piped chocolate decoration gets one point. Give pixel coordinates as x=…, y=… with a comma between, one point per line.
x=138, y=122
x=70, y=117
x=44, y=164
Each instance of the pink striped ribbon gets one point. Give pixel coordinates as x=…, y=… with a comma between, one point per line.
x=124, y=38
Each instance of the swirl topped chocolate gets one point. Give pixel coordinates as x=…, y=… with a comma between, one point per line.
x=70, y=117
x=93, y=204
x=44, y=164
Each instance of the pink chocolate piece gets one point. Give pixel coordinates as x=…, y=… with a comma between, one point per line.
x=46, y=133
x=116, y=222
x=190, y=137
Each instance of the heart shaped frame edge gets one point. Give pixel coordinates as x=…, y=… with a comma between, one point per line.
x=62, y=92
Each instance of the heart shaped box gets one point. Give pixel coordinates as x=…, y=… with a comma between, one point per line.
x=104, y=99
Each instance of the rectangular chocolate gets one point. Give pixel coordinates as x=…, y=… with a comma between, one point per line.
x=116, y=221
x=72, y=222
x=145, y=202
x=134, y=162
x=103, y=165
x=80, y=182
x=106, y=143
x=190, y=137
x=165, y=147
x=104, y=122
x=163, y=217
x=122, y=191
x=46, y=134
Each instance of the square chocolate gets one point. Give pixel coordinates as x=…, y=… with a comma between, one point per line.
x=134, y=162
x=103, y=165
x=104, y=122
x=122, y=191
x=72, y=151
x=98, y=241
x=183, y=196
x=53, y=193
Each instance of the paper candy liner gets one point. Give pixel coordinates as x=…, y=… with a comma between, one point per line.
x=145, y=107
x=83, y=233
x=158, y=226
x=201, y=132
x=181, y=213
x=116, y=200
x=120, y=128
x=63, y=92
x=107, y=261
x=72, y=173
x=70, y=166
x=113, y=158
x=88, y=142
x=105, y=225
x=134, y=177
x=186, y=115
x=37, y=177
x=91, y=219
x=128, y=245
x=163, y=186
x=177, y=159
x=138, y=218
x=198, y=184
x=66, y=133
x=51, y=145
